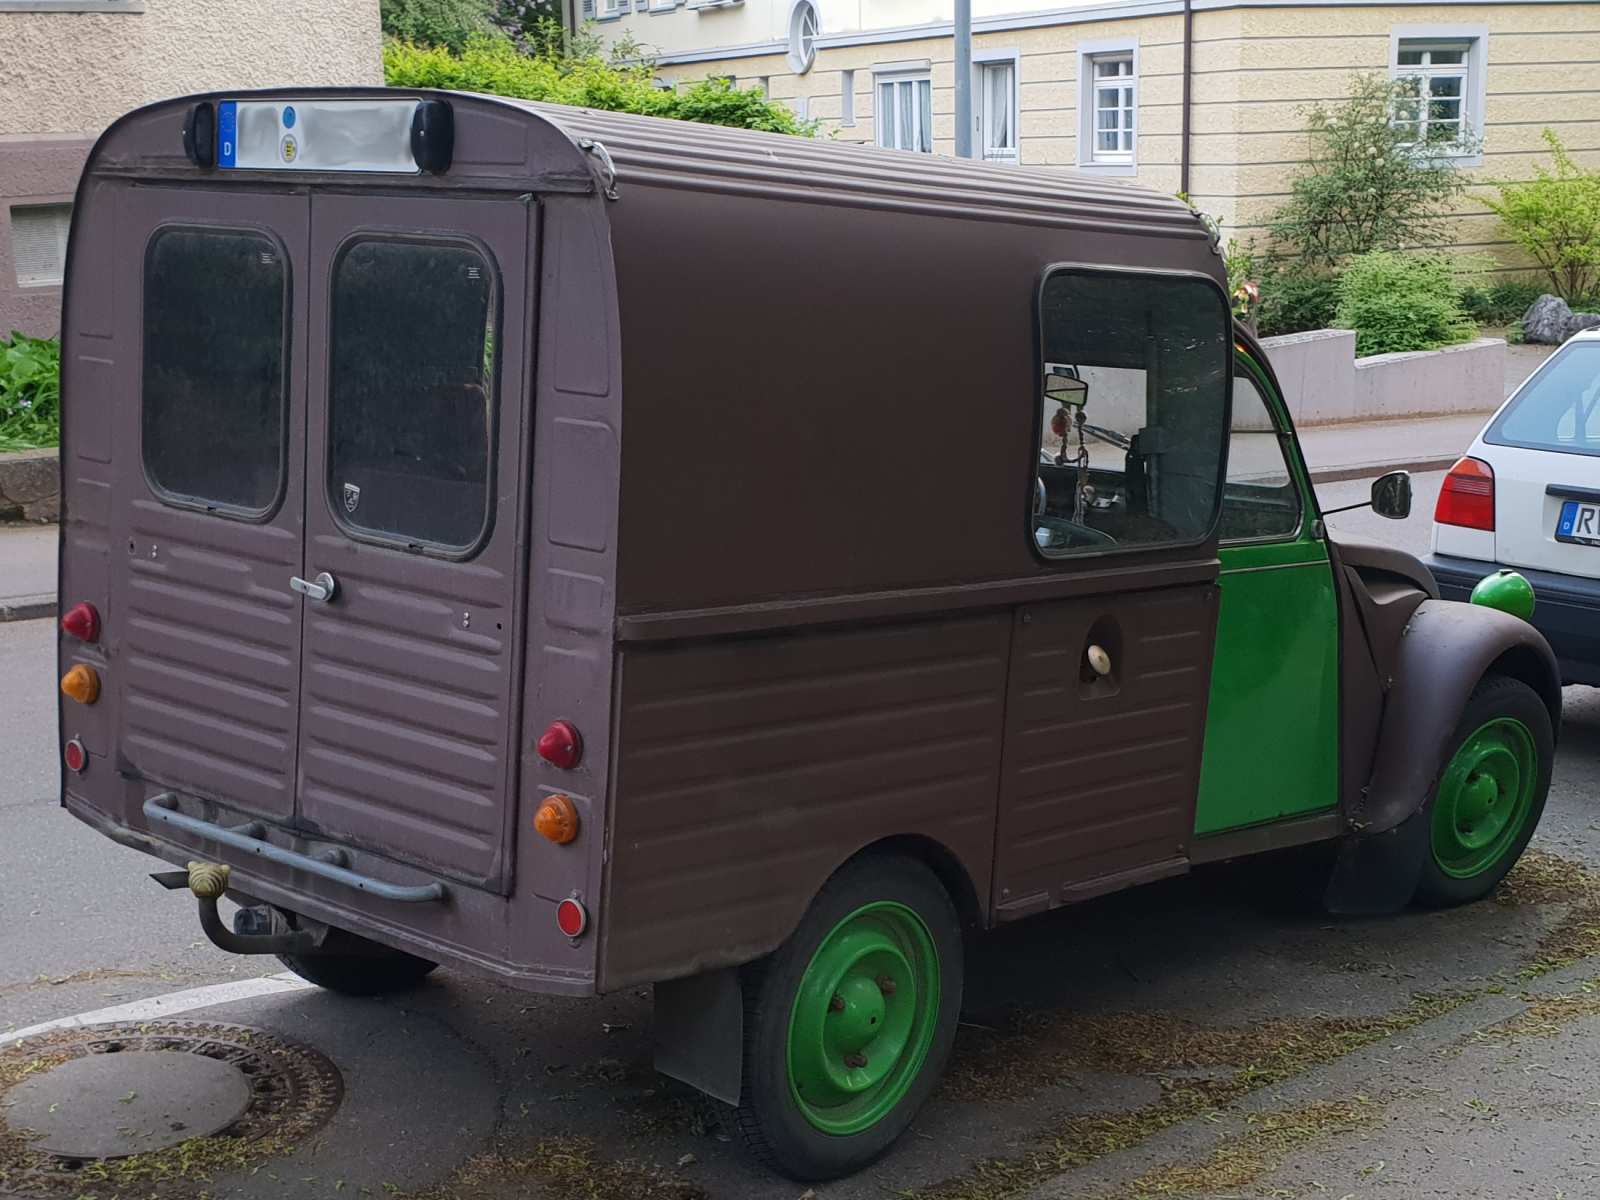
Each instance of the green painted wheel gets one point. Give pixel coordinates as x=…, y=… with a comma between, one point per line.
x=1484, y=798
x=863, y=1018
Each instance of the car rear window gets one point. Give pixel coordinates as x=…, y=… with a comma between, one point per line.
x=411, y=392
x=212, y=391
x=1560, y=407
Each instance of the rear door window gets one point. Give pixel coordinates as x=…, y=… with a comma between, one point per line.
x=1134, y=418
x=216, y=307
x=411, y=397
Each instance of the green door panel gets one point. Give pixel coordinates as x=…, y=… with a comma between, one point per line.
x=1272, y=730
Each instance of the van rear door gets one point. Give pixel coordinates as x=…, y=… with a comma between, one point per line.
x=205, y=684
x=417, y=380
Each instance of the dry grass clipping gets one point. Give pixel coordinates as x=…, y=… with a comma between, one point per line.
x=1257, y=1152
x=1541, y=878
x=563, y=1168
x=1545, y=1016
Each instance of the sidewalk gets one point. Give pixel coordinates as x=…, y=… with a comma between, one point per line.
x=27, y=572
x=1363, y=449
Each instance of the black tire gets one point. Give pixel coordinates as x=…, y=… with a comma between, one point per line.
x=769, y=1120
x=350, y=963
x=1496, y=698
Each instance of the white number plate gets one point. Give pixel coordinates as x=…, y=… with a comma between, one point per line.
x=1580, y=523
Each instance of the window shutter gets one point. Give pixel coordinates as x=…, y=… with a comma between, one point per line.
x=587, y=10
x=39, y=242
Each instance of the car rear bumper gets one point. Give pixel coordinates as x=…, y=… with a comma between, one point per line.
x=1566, y=610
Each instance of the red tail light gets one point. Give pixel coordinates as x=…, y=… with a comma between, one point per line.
x=82, y=622
x=560, y=745
x=1467, y=497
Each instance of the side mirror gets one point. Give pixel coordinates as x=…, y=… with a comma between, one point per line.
x=1391, y=495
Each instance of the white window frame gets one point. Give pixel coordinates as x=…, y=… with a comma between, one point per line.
x=847, y=98
x=1475, y=39
x=920, y=76
x=983, y=58
x=612, y=10
x=661, y=6
x=801, y=52
x=1102, y=163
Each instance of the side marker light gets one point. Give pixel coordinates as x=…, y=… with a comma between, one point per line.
x=557, y=820
x=560, y=745
x=75, y=756
x=81, y=684
x=82, y=622
x=572, y=918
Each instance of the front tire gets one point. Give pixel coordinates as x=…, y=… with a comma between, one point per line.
x=1490, y=795
x=848, y=1024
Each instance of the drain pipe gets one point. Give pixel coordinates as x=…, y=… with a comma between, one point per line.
x=963, y=33
x=1188, y=94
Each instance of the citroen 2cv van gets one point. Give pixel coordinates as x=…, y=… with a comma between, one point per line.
x=594, y=551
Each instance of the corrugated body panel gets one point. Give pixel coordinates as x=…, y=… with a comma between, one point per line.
x=209, y=666
x=748, y=771
x=715, y=158
x=404, y=712
x=1100, y=777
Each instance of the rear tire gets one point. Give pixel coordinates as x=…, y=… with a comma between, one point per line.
x=848, y=1024
x=1490, y=795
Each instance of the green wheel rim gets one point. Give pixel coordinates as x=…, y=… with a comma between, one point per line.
x=863, y=1018
x=1484, y=798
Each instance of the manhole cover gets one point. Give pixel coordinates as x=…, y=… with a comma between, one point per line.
x=111, y=1092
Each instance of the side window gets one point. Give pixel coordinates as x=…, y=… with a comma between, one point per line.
x=1134, y=414
x=212, y=388
x=1260, y=500
x=411, y=398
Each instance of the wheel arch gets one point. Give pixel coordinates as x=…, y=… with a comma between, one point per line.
x=1446, y=649
x=939, y=859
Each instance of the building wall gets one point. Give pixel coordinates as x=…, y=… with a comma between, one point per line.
x=1256, y=71
x=69, y=74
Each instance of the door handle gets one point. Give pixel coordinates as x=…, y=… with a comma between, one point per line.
x=323, y=587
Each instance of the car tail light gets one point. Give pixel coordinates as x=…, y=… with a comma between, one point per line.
x=82, y=684
x=572, y=918
x=82, y=622
x=1467, y=497
x=75, y=756
x=557, y=819
x=560, y=745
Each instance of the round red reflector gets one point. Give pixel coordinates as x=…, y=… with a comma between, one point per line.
x=572, y=918
x=82, y=622
x=560, y=745
x=76, y=756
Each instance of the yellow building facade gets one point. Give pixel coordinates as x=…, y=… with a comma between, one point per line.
x=1100, y=87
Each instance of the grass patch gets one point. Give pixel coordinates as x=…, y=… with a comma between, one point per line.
x=1267, y=1139
x=565, y=1168
x=1157, y=1044
x=1546, y=1015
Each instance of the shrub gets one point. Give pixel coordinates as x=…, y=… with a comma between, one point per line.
x=30, y=392
x=1556, y=219
x=1500, y=303
x=448, y=23
x=1364, y=188
x=493, y=65
x=1401, y=302
x=1295, y=299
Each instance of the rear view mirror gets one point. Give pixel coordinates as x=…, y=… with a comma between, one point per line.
x=1391, y=495
x=1065, y=388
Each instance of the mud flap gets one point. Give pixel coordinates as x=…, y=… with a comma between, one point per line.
x=699, y=1032
x=1379, y=873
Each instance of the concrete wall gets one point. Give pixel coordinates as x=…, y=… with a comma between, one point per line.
x=1324, y=382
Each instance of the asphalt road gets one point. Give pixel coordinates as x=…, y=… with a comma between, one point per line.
x=1211, y=1035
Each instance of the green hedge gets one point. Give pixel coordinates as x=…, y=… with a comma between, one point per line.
x=1398, y=302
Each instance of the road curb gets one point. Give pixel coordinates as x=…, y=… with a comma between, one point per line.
x=1372, y=470
x=27, y=608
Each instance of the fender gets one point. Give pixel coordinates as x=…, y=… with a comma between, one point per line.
x=1444, y=650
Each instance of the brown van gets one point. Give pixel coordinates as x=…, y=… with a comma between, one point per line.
x=593, y=551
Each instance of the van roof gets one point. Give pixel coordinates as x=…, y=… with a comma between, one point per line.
x=688, y=155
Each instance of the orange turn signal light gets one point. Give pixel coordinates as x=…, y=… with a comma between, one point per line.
x=82, y=684
x=557, y=819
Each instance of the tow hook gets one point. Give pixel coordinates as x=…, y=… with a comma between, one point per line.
x=209, y=881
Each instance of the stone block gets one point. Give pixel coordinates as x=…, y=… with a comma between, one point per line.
x=30, y=486
x=1317, y=372
x=1467, y=378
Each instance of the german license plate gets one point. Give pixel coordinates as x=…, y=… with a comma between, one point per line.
x=1579, y=523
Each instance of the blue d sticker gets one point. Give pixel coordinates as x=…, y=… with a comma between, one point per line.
x=227, y=133
x=288, y=117
x=1569, y=512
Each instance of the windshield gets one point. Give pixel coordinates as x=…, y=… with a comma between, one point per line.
x=1560, y=407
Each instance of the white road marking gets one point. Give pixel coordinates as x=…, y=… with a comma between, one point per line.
x=157, y=1007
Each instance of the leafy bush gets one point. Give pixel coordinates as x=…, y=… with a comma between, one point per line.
x=1364, y=188
x=493, y=65
x=1401, y=302
x=1501, y=303
x=448, y=23
x=1556, y=219
x=30, y=392
x=1295, y=299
